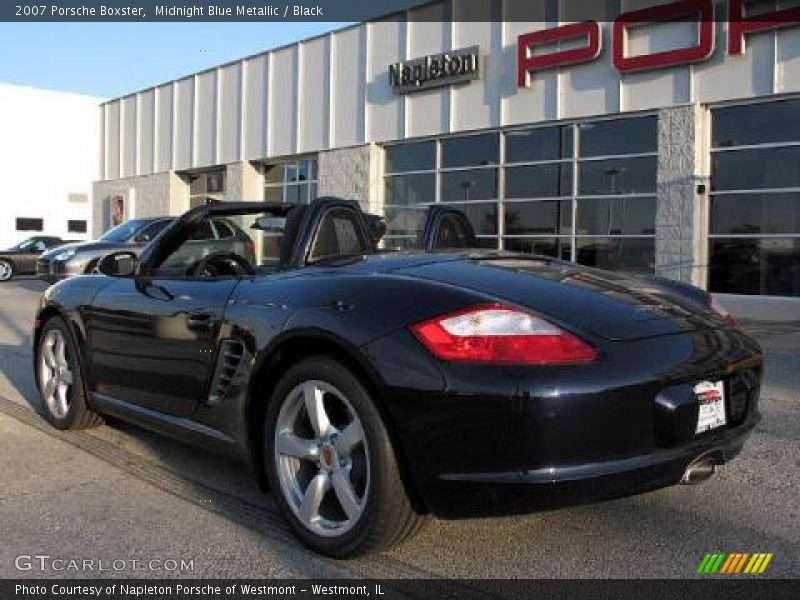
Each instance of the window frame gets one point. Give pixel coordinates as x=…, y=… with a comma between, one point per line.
x=711, y=236
x=573, y=158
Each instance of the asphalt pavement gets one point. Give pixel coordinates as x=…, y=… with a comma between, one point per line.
x=139, y=505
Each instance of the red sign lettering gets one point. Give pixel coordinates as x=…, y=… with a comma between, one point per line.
x=527, y=61
x=739, y=26
x=665, y=12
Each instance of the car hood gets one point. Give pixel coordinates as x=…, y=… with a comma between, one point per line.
x=94, y=246
x=609, y=305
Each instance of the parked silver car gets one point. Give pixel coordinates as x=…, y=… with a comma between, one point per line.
x=133, y=236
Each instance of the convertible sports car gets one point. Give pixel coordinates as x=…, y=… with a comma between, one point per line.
x=369, y=389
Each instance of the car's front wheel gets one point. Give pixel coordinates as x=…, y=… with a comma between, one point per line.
x=6, y=270
x=58, y=374
x=331, y=465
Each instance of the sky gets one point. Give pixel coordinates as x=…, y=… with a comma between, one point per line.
x=113, y=59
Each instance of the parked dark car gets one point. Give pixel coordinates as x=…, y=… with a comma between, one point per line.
x=133, y=236
x=368, y=390
x=21, y=258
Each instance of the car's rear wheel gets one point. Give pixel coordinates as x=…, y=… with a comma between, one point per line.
x=331, y=465
x=58, y=373
x=6, y=270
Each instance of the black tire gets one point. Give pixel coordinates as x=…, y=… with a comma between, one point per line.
x=388, y=517
x=78, y=415
x=6, y=270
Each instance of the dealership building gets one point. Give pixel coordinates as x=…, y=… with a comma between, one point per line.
x=662, y=141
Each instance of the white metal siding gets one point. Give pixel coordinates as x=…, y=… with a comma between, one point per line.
x=333, y=91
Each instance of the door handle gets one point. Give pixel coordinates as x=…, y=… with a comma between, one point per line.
x=201, y=322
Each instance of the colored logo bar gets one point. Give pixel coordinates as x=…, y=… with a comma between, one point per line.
x=734, y=563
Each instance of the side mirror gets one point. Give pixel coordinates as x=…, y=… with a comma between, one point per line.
x=118, y=264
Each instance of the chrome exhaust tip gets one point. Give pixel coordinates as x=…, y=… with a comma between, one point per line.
x=699, y=471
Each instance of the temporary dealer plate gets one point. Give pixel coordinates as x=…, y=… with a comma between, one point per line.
x=711, y=399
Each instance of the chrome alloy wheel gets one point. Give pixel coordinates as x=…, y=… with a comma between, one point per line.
x=6, y=271
x=321, y=458
x=55, y=374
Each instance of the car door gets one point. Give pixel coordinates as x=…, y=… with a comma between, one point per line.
x=153, y=341
x=26, y=262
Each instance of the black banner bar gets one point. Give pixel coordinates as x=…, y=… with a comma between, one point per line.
x=361, y=10
x=729, y=588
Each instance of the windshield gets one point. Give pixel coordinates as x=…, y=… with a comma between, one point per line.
x=124, y=231
x=24, y=245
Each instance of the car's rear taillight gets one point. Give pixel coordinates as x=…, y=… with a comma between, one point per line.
x=717, y=307
x=499, y=334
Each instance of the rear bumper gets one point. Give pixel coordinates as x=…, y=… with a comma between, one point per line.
x=465, y=495
x=483, y=440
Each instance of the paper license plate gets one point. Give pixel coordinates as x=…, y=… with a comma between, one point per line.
x=711, y=399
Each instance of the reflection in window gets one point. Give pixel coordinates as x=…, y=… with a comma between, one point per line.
x=536, y=218
x=754, y=181
x=417, y=156
x=619, y=136
x=554, y=247
x=482, y=217
x=206, y=187
x=291, y=181
x=471, y=150
x=472, y=184
x=539, y=144
x=539, y=181
x=618, y=176
x=616, y=216
x=635, y=255
x=401, y=190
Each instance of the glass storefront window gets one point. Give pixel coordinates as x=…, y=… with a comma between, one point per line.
x=472, y=184
x=530, y=174
x=291, y=181
x=402, y=190
x=206, y=187
x=634, y=255
x=539, y=181
x=616, y=216
x=544, y=217
x=471, y=150
x=618, y=176
x=417, y=156
x=554, y=246
x=754, y=234
x=540, y=144
x=619, y=137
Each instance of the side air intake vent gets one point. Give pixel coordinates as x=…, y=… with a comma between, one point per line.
x=230, y=355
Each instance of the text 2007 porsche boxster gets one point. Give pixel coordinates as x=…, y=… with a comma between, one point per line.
x=369, y=389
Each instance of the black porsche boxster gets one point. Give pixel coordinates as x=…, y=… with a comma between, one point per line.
x=369, y=389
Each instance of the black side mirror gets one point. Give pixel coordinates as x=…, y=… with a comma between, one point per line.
x=118, y=264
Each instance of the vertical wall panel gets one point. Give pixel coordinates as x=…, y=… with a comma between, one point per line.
x=101, y=159
x=538, y=101
x=428, y=113
x=163, y=134
x=477, y=105
x=349, y=60
x=283, y=98
x=183, y=123
x=145, y=132
x=128, y=136
x=112, y=140
x=230, y=115
x=385, y=109
x=205, y=120
x=314, y=95
x=254, y=127
x=725, y=77
x=788, y=55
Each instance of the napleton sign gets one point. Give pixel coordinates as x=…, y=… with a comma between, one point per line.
x=435, y=70
x=697, y=13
